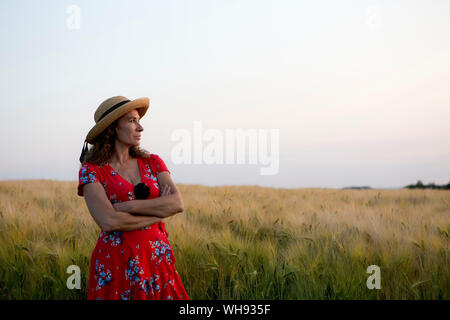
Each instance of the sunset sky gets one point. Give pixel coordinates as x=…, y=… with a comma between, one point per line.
x=359, y=90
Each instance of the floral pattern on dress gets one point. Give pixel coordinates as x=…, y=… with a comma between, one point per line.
x=149, y=173
x=114, y=236
x=152, y=285
x=102, y=275
x=134, y=271
x=87, y=176
x=130, y=195
x=161, y=250
x=126, y=295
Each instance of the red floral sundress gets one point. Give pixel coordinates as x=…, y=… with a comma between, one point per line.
x=132, y=265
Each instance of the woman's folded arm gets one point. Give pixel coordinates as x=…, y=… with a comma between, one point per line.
x=124, y=221
x=107, y=217
x=167, y=204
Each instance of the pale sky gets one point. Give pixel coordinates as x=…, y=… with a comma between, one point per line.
x=359, y=90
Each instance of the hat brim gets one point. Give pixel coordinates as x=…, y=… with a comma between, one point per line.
x=141, y=104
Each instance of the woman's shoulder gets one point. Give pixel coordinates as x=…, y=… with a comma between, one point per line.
x=156, y=163
x=90, y=173
x=99, y=170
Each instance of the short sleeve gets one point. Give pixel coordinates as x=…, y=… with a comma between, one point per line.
x=88, y=174
x=159, y=164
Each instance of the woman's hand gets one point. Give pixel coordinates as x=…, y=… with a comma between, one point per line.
x=165, y=190
x=122, y=206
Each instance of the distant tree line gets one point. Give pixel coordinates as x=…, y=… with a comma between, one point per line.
x=420, y=185
x=358, y=188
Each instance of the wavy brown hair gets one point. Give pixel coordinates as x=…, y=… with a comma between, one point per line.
x=103, y=148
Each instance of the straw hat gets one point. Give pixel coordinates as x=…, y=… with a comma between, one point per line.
x=109, y=111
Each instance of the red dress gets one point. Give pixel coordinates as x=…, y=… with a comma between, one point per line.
x=135, y=264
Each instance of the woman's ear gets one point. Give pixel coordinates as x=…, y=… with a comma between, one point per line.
x=115, y=126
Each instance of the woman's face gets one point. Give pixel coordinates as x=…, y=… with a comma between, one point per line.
x=128, y=129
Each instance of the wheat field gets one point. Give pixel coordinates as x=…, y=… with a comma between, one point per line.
x=243, y=242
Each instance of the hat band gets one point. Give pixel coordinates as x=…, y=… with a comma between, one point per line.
x=114, y=107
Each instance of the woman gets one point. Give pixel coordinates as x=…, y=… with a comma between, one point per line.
x=128, y=193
